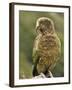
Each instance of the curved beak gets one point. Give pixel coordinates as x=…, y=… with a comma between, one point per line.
x=37, y=28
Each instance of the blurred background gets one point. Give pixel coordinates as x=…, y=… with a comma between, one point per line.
x=27, y=34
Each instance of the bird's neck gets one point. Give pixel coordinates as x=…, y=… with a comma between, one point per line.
x=47, y=33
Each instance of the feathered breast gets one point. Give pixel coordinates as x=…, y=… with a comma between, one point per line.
x=49, y=48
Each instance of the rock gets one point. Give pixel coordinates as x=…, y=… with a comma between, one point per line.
x=39, y=76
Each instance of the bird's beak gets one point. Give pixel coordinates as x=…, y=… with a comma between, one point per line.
x=37, y=28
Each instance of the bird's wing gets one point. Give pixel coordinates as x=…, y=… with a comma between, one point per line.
x=35, y=61
x=35, y=54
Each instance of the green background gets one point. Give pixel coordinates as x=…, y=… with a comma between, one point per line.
x=27, y=34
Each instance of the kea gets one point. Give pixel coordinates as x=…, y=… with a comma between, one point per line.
x=46, y=49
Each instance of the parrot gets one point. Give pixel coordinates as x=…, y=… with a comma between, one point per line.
x=46, y=47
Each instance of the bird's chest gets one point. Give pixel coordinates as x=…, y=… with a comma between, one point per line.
x=46, y=43
x=47, y=46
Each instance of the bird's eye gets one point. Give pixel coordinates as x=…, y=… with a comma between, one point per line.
x=41, y=29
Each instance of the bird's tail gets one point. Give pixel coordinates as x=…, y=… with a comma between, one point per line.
x=34, y=68
x=34, y=71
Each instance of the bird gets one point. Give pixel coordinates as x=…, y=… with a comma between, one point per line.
x=46, y=47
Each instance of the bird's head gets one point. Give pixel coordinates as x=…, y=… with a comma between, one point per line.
x=44, y=25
